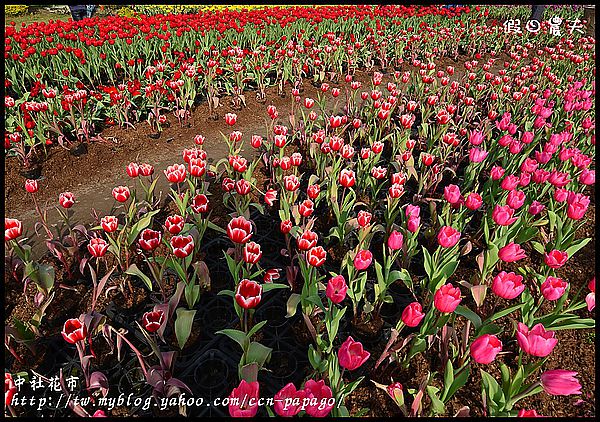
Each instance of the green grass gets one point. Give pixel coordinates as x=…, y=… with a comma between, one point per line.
x=40, y=16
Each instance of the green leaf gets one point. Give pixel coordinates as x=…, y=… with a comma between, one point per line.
x=459, y=381
x=436, y=404
x=183, y=325
x=448, y=376
x=258, y=353
x=428, y=263
x=576, y=246
x=470, y=315
x=256, y=327
x=505, y=312
x=134, y=270
x=267, y=287
x=292, y=304
x=46, y=277
x=489, y=329
x=236, y=335
x=140, y=225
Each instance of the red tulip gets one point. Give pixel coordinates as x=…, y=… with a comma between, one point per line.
x=66, y=199
x=10, y=388
x=248, y=294
x=447, y=298
x=351, y=354
x=197, y=167
x=395, y=240
x=307, y=240
x=288, y=401
x=152, y=321
x=245, y=394
x=175, y=173
x=239, y=230
x=109, y=223
x=553, y=288
x=133, y=169
x=270, y=197
x=230, y=118
x=347, y=178
x=508, y=285
x=252, y=253
x=313, y=191
x=182, y=245
x=286, y=226
x=174, y=224
x=590, y=299
x=149, y=239
x=291, y=182
x=239, y=164
x=121, y=193
x=13, y=228
x=74, y=330
x=200, y=203
x=336, y=289
x=97, y=247
x=473, y=201
x=146, y=170
x=316, y=256
x=31, y=186
x=306, y=208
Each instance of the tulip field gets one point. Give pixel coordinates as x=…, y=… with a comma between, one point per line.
x=311, y=211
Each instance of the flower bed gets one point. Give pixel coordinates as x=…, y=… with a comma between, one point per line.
x=405, y=235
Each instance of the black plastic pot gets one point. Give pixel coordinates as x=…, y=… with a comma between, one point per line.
x=79, y=150
x=34, y=172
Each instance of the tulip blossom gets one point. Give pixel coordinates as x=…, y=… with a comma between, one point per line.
x=317, y=392
x=175, y=173
x=31, y=186
x=508, y=285
x=248, y=294
x=13, y=228
x=182, y=245
x=503, y=215
x=590, y=299
x=555, y=258
x=473, y=201
x=528, y=414
x=288, y=401
x=447, y=298
x=553, y=288
x=559, y=382
x=485, y=348
x=537, y=341
x=347, y=178
x=252, y=253
x=270, y=197
x=412, y=314
x=351, y=354
x=511, y=252
x=199, y=203
x=149, y=239
x=336, y=289
x=97, y=247
x=174, y=224
x=74, y=330
x=363, y=259
x=109, y=223
x=448, y=237
x=246, y=397
x=316, y=256
x=286, y=226
x=66, y=199
x=10, y=389
x=239, y=230
x=452, y=194
x=395, y=240
x=152, y=321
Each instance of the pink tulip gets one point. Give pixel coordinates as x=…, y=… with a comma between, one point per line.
x=284, y=401
x=447, y=298
x=485, y=349
x=412, y=314
x=528, y=414
x=448, y=237
x=559, y=382
x=351, y=354
x=452, y=194
x=503, y=215
x=336, y=289
x=553, y=288
x=511, y=252
x=508, y=285
x=555, y=258
x=590, y=299
x=363, y=259
x=537, y=341
x=473, y=201
x=395, y=240
x=322, y=393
